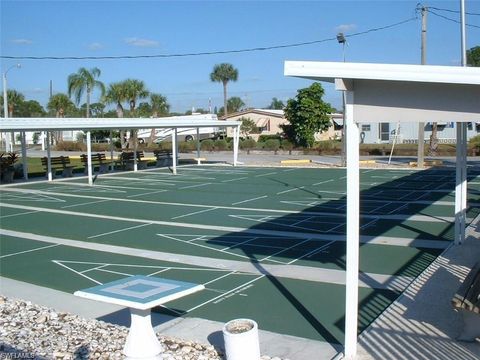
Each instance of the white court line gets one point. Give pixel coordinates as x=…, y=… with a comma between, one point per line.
x=27, y=251
x=228, y=292
x=23, y=213
x=300, y=221
x=147, y=193
x=220, y=277
x=323, y=182
x=289, y=190
x=292, y=169
x=244, y=201
x=194, y=186
x=87, y=203
x=159, y=271
x=284, y=249
x=115, y=272
x=193, y=213
x=77, y=272
x=117, y=231
x=237, y=179
x=313, y=252
x=241, y=243
x=270, y=173
x=94, y=268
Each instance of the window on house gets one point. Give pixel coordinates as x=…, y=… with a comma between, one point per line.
x=366, y=127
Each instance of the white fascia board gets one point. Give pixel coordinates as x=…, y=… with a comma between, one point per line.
x=329, y=71
x=47, y=124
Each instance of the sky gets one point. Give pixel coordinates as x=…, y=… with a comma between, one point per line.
x=65, y=28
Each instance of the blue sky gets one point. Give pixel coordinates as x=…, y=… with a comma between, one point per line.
x=114, y=28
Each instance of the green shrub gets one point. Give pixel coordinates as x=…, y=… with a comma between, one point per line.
x=186, y=146
x=326, y=146
x=287, y=145
x=70, y=146
x=101, y=147
x=264, y=138
x=220, y=145
x=207, y=145
x=165, y=145
x=248, y=144
x=272, y=145
x=475, y=142
x=260, y=145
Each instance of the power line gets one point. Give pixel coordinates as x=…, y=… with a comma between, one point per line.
x=266, y=48
x=450, y=19
x=453, y=11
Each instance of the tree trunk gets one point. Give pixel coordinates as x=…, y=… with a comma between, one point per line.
x=88, y=102
x=433, y=141
x=225, y=111
x=122, y=131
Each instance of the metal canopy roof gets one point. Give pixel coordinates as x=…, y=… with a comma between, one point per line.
x=47, y=124
x=400, y=93
x=329, y=71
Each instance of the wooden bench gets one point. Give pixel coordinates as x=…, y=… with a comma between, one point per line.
x=59, y=163
x=98, y=159
x=467, y=302
x=126, y=160
x=164, y=157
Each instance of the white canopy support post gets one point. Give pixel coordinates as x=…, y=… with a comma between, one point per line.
x=236, y=140
x=43, y=137
x=198, y=146
x=49, y=162
x=460, y=184
x=24, y=155
x=353, y=226
x=174, y=151
x=135, y=165
x=89, y=158
x=111, y=151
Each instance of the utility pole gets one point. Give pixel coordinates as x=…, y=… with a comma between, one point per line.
x=421, y=125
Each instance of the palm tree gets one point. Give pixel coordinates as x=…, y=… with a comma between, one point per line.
x=60, y=104
x=84, y=81
x=134, y=90
x=224, y=73
x=14, y=99
x=116, y=94
x=160, y=106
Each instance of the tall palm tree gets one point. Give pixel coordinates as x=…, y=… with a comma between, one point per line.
x=224, y=73
x=160, y=106
x=134, y=90
x=14, y=98
x=60, y=104
x=116, y=94
x=84, y=81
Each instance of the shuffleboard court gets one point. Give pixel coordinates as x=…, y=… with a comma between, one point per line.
x=247, y=234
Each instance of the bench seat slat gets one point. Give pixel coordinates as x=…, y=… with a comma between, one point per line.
x=468, y=295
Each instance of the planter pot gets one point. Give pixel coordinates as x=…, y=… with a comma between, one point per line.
x=7, y=176
x=241, y=340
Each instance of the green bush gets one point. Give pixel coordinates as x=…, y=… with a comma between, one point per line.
x=165, y=145
x=287, y=145
x=186, y=146
x=70, y=146
x=101, y=147
x=325, y=146
x=272, y=145
x=260, y=145
x=475, y=142
x=220, y=145
x=264, y=138
x=207, y=145
x=248, y=144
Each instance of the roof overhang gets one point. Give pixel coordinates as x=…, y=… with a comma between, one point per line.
x=400, y=93
x=57, y=124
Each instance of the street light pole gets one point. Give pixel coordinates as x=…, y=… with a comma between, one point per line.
x=341, y=40
x=5, y=103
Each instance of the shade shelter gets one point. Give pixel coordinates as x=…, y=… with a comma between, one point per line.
x=378, y=93
x=89, y=124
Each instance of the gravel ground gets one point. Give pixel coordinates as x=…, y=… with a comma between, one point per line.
x=30, y=331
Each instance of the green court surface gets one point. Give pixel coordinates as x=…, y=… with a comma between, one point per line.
x=51, y=231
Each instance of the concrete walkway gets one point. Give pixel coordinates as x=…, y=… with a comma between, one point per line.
x=422, y=324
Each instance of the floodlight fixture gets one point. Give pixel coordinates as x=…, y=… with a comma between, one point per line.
x=341, y=38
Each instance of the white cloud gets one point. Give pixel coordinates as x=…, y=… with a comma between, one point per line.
x=21, y=41
x=344, y=28
x=95, y=46
x=134, y=41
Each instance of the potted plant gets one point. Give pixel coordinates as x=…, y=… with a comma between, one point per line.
x=7, y=168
